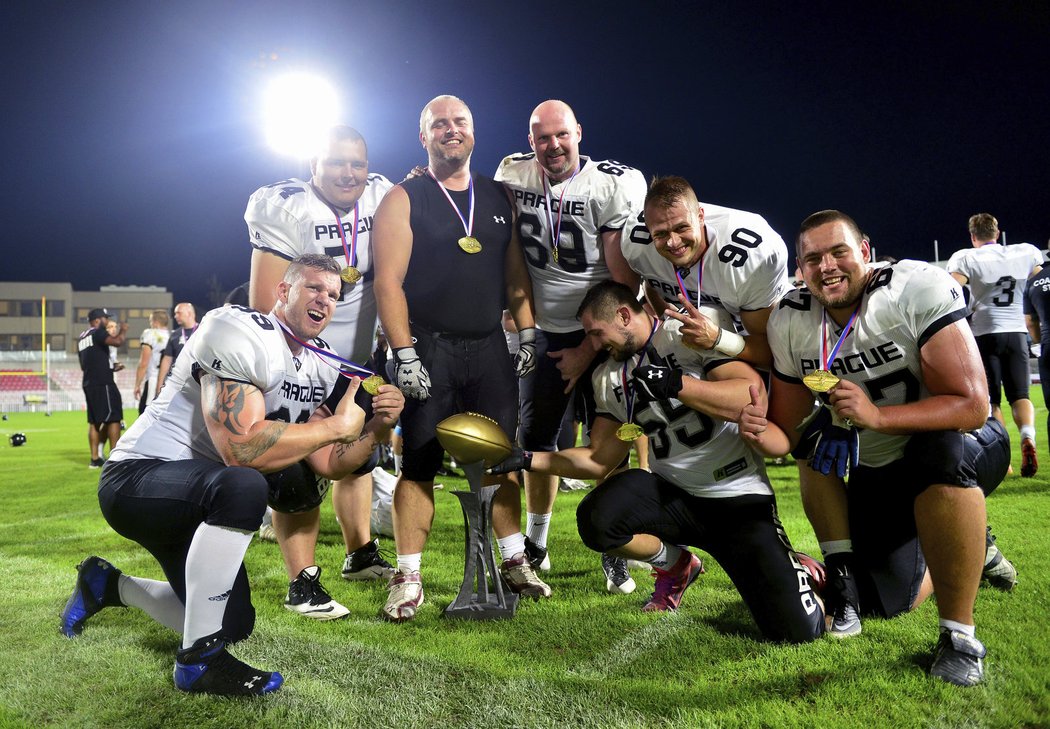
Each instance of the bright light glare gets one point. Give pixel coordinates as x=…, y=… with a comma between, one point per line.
x=298, y=109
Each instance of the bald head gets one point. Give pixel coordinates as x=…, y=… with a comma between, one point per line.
x=446, y=130
x=554, y=135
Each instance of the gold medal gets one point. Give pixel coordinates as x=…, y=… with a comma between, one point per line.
x=372, y=384
x=350, y=274
x=629, y=432
x=820, y=380
x=469, y=244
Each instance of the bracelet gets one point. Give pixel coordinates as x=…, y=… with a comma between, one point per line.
x=729, y=343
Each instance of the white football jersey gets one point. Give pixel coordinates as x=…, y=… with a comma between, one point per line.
x=744, y=266
x=289, y=219
x=157, y=339
x=998, y=276
x=237, y=344
x=701, y=454
x=904, y=305
x=602, y=196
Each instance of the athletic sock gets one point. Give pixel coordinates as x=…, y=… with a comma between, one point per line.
x=536, y=527
x=666, y=556
x=1028, y=431
x=969, y=630
x=837, y=546
x=409, y=562
x=511, y=545
x=155, y=598
x=212, y=562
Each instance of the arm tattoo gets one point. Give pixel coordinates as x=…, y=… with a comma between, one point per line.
x=227, y=407
x=263, y=441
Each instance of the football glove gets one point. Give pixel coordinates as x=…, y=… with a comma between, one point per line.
x=518, y=460
x=837, y=448
x=810, y=428
x=410, y=376
x=656, y=382
x=525, y=359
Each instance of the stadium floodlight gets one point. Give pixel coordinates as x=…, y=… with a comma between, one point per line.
x=298, y=109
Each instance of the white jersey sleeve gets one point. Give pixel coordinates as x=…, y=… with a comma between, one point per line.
x=601, y=197
x=701, y=454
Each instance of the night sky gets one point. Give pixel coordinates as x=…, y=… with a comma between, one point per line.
x=132, y=133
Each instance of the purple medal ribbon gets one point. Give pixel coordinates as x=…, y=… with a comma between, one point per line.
x=555, y=231
x=325, y=355
x=628, y=392
x=468, y=227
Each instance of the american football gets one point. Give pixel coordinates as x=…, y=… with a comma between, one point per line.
x=470, y=437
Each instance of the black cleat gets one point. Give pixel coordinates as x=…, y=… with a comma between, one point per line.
x=207, y=668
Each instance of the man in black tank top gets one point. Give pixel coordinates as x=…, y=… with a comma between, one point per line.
x=105, y=409
x=447, y=262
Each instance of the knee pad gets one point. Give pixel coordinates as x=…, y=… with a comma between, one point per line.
x=238, y=499
x=295, y=489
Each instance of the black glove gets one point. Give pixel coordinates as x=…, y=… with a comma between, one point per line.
x=525, y=359
x=410, y=376
x=518, y=460
x=655, y=382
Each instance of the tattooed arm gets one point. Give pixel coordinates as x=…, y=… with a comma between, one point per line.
x=235, y=415
x=341, y=459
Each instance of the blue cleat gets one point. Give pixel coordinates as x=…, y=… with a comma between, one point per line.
x=96, y=578
x=207, y=668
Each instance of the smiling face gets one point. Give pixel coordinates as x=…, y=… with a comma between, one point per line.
x=554, y=135
x=614, y=335
x=446, y=130
x=834, y=261
x=306, y=302
x=677, y=231
x=340, y=172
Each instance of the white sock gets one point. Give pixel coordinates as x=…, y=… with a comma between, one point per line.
x=155, y=598
x=837, y=546
x=1028, y=431
x=212, y=563
x=512, y=545
x=952, y=625
x=409, y=562
x=537, y=526
x=666, y=556
x=397, y=463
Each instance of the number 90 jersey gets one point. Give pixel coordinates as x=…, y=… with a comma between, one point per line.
x=289, y=219
x=600, y=198
x=701, y=454
x=903, y=306
x=745, y=265
x=232, y=343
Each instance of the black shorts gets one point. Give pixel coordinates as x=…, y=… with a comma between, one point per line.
x=742, y=533
x=160, y=504
x=104, y=404
x=475, y=375
x=543, y=397
x=1005, y=360
x=889, y=560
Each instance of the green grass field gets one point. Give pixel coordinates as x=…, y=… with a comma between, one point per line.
x=583, y=658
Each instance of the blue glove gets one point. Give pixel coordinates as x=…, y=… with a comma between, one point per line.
x=837, y=448
x=811, y=428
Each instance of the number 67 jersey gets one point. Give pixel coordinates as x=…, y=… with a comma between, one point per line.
x=904, y=304
x=601, y=197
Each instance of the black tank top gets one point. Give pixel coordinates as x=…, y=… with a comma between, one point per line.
x=447, y=289
x=94, y=357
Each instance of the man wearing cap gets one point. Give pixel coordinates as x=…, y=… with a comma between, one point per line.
x=104, y=407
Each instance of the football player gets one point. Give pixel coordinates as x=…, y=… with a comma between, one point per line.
x=447, y=264
x=706, y=489
x=152, y=342
x=330, y=214
x=998, y=276
x=571, y=211
x=906, y=385
x=105, y=410
x=252, y=393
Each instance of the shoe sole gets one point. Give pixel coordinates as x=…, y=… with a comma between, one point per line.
x=329, y=613
x=849, y=632
x=370, y=573
x=626, y=588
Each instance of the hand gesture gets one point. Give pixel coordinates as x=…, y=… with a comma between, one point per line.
x=698, y=330
x=518, y=460
x=387, y=405
x=348, y=420
x=752, y=420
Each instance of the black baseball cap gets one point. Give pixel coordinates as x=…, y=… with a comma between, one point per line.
x=99, y=314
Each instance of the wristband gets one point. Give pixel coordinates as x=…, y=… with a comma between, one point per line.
x=729, y=343
x=404, y=354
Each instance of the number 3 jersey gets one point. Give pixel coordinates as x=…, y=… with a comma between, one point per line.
x=903, y=306
x=701, y=454
x=236, y=344
x=289, y=219
x=997, y=277
x=744, y=266
x=600, y=198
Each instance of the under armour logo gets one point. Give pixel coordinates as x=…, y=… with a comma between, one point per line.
x=499, y=219
x=251, y=684
x=216, y=364
x=654, y=375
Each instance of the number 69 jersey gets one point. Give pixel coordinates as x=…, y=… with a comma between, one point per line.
x=601, y=197
x=289, y=219
x=744, y=267
x=903, y=306
x=701, y=454
x=233, y=343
